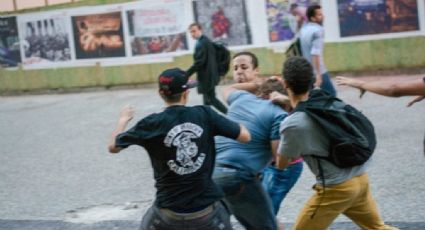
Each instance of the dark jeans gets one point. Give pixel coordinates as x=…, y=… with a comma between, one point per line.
x=214, y=217
x=246, y=198
x=277, y=182
x=327, y=84
x=210, y=99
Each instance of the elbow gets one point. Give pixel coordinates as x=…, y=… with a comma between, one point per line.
x=113, y=149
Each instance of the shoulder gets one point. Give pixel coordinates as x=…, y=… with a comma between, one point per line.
x=297, y=120
x=239, y=95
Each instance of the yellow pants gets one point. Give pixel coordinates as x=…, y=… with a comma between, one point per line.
x=352, y=198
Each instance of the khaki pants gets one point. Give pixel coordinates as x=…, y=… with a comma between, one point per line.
x=352, y=198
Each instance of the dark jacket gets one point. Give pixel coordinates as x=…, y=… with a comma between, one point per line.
x=205, y=65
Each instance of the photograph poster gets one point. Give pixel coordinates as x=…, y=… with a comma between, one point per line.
x=10, y=54
x=45, y=39
x=366, y=17
x=157, y=27
x=281, y=22
x=224, y=21
x=98, y=35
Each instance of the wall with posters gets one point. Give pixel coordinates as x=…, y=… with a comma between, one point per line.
x=106, y=45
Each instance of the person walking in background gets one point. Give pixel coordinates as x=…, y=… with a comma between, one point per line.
x=337, y=190
x=312, y=45
x=206, y=67
x=300, y=14
x=238, y=166
x=180, y=144
x=277, y=183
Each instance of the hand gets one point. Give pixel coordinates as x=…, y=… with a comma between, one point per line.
x=416, y=99
x=281, y=100
x=351, y=82
x=127, y=113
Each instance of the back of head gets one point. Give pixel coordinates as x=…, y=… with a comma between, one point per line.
x=311, y=11
x=173, y=83
x=269, y=86
x=298, y=74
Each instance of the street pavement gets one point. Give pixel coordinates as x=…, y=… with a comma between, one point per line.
x=56, y=173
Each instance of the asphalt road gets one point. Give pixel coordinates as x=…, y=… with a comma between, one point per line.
x=56, y=173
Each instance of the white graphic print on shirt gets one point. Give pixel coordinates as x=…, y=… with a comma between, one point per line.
x=181, y=137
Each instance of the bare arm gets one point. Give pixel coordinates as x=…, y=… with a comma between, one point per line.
x=282, y=162
x=389, y=88
x=316, y=66
x=125, y=117
x=244, y=135
x=251, y=87
x=274, y=144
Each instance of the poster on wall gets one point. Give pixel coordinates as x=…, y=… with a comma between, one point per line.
x=224, y=21
x=10, y=54
x=98, y=35
x=365, y=17
x=45, y=39
x=285, y=17
x=157, y=27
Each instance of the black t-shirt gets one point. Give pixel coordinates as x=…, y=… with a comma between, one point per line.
x=180, y=143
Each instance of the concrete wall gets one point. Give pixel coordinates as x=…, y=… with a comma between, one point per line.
x=408, y=52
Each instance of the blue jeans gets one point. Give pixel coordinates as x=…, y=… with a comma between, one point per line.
x=246, y=198
x=327, y=84
x=215, y=217
x=279, y=182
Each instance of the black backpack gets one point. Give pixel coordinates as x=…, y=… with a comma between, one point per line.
x=352, y=136
x=294, y=49
x=223, y=58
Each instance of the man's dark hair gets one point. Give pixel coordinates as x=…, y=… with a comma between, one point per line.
x=293, y=6
x=311, y=11
x=195, y=24
x=173, y=98
x=254, y=59
x=298, y=73
x=271, y=85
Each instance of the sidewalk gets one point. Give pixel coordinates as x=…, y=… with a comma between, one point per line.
x=56, y=172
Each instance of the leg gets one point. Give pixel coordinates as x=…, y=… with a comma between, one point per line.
x=210, y=99
x=327, y=84
x=252, y=207
x=364, y=211
x=324, y=206
x=277, y=183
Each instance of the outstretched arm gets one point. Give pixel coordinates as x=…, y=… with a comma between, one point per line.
x=389, y=88
x=251, y=87
x=125, y=117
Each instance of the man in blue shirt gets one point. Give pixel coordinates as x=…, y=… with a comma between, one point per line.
x=312, y=45
x=238, y=166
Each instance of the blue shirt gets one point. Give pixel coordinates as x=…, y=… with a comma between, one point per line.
x=262, y=118
x=312, y=41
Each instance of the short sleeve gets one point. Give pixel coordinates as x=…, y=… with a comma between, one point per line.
x=235, y=95
x=292, y=142
x=223, y=126
x=317, y=43
x=130, y=137
x=277, y=120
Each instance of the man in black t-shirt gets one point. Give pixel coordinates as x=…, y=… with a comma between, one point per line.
x=180, y=144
